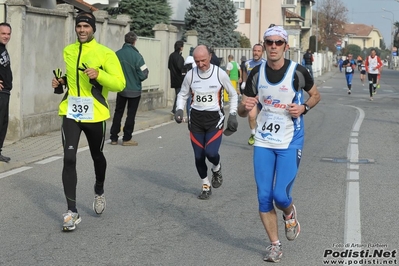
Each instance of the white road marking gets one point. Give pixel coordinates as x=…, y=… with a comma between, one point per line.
x=352, y=234
x=14, y=171
x=49, y=160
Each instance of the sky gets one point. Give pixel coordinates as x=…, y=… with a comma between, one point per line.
x=370, y=12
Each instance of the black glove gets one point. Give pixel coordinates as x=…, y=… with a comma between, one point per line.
x=58, y=74
x=232, y=125
x=179, y=116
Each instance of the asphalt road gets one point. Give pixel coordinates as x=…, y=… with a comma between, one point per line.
x=345, y=195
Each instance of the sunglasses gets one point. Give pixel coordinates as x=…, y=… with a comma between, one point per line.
x=278, y=42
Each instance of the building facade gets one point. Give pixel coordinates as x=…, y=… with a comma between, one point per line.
x=361, y=35
x=255, y=16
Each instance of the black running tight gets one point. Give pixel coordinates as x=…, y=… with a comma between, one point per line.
x=372, y=83
x=95, y=134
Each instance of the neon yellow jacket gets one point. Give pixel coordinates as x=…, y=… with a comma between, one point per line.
x=110, y=76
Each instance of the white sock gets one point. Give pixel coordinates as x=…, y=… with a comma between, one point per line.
x=205, y=181
x=276, y=243
x=253, y=131
x=216, y=168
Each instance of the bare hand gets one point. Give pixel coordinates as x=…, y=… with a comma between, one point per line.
x=55, y=82
x=250, y=102
x=295, y=110
x=91, y=73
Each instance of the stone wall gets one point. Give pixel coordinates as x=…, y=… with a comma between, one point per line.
x=37, y=41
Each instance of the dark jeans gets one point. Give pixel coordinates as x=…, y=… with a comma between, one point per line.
x=4, y=108
x=177, y=90
x=132, y=106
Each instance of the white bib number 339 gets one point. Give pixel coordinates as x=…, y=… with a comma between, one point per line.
x=80, y=108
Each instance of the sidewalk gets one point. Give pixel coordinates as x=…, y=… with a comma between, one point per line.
x=37, y=148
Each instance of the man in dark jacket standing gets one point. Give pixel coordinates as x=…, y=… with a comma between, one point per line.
x=175, y=65
x=5, y=84
x=308, y=57
x=135, y=72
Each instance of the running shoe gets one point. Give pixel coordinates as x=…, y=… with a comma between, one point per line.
x=292, y=226
x=217, y=178
x=99, y=204
x=371, y=98
x=206, y=192
x=374, y=92
x=251, y=140
x=349, y=91
x=114, y=142
x=378, y=86
x=71, y=219
x=273, y=253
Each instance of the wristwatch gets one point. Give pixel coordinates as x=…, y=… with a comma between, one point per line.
x=307, y=108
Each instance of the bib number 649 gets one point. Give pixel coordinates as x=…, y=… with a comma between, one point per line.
x=271, y=127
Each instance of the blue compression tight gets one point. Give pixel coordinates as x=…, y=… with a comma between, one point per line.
x=349, y=78
x=275, y=172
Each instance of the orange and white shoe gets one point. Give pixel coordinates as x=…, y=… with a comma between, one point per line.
x=292, y=226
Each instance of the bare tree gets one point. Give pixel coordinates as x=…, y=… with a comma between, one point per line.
x=331, y=17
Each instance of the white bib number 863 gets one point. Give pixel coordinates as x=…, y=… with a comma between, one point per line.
x=205, y=98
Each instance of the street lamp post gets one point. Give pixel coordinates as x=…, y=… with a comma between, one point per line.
x=393, y=21
x=391, y=31
x=317, y=23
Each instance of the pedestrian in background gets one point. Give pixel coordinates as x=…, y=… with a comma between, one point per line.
x=279, y=135
x=92, y=70
x=5, y=85
x=189, y=64
x=175, y=66
x=359, y=61
x=135, y=71
x=308, y=57
x=233, y=70
x=257, y=59
x=214, y=58
x=242, y=70
x=362, y=73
